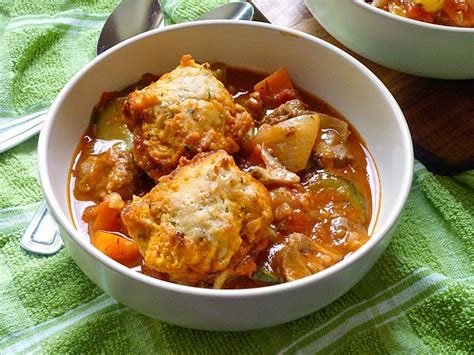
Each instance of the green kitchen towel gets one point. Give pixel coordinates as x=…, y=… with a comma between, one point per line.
x=419, y=297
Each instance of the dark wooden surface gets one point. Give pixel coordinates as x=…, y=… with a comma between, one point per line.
x=440, y=113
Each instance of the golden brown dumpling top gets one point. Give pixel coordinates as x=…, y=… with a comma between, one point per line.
x=185, y=112
x=203, y=223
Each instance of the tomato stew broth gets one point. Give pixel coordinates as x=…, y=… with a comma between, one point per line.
x=334, y=204
x=455, y=13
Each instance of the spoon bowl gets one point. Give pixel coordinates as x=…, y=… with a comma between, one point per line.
x=233, y=11
x=146, y=15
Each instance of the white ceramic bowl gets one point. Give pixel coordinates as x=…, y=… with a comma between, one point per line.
x=315, y=66
x=402, y=44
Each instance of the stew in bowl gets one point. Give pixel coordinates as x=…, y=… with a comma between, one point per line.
x=158, y=182
x=221, y=177
x=456, y=13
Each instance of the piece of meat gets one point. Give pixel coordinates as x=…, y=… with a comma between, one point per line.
x=274, y=172
x=276, y=176
x=203, y=223
x=102, y=174
x=348, y=234
x=255, y=106
x=330, y=150
x=185, y=112
x=328, y=155
x=290, y=109
x=299, y=257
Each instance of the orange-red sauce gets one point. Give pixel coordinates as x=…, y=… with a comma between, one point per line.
x=456, y=13
x=303, y=210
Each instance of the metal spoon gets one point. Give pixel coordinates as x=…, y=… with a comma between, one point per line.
x=131, y=17
x=147, y=16
x=42, y=234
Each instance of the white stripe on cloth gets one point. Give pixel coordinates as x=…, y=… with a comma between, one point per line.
x=73, y=16
x=33, y=335
x=13, y=314
x=56, y=21
x=380, y=309
x=37, y=347
x=402, y=313
x=341, y=315
x=68, y=13
x=13, y=216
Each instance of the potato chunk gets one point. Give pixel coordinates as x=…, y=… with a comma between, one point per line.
x=290, y=141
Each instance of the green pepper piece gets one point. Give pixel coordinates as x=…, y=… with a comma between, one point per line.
x=265, y=276
x=342, y=185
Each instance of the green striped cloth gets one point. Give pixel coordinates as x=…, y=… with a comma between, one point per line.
x=419, y=298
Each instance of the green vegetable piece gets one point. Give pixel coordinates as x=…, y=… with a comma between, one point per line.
x=265, y=276
x=111, y=124
x=342, y=185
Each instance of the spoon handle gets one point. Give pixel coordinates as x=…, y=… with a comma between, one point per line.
x=19, y=130
x=42, y=234
x=258, y=15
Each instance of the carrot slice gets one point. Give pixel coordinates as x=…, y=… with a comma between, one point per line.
x=107, y=219
x=274, y=85
x=419, y=13
x=115, y=246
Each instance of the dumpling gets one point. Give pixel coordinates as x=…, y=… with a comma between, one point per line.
x=185, y=112
x=203, y=223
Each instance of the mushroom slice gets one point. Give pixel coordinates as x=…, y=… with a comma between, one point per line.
x=274, y=172
x=301, y=257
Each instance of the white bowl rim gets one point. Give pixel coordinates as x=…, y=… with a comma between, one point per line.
x=409, y=21
x=64, y=219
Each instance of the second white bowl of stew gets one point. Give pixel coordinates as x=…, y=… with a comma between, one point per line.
x=431, y=38
x=225, y=184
